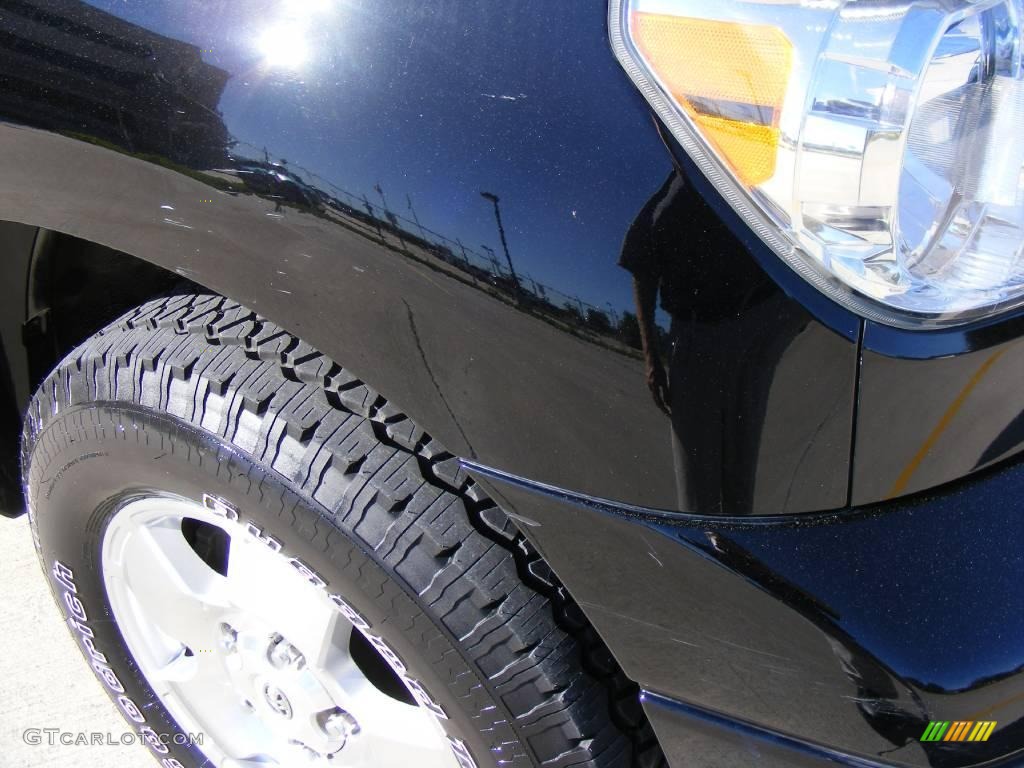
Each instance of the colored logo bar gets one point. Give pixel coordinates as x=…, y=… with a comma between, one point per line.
x=958, y=730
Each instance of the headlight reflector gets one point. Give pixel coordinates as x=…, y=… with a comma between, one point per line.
x=876, y=145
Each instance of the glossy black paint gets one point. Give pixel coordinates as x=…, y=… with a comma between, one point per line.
x=698, y=735
x=146, y=127
x=852, y=630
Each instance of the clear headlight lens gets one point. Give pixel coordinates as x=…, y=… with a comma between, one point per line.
x=876, y=145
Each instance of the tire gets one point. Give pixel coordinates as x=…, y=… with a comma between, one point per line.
x=193, y=399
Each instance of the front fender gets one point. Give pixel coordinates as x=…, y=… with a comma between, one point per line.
x=324, y=164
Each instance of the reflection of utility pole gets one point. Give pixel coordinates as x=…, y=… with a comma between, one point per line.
x=465, y=258
x=465, y=261
x=373, y=218
x=494, y=260
x=504, y=244
x=612, y=315
x=389, y=215
x=423, y=235
x=383, y=199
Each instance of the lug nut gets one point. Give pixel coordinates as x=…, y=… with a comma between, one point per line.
x=338, y=724
x=283, y=654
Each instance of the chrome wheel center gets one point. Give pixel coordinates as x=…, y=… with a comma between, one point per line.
x=277, y=701
x=241, y=648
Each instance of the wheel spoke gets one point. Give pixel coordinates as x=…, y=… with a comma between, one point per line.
x=184, y=665
x=182, y=595
x=398, y=734
x=265, y=587
x=256, y=656
x=178, y=667
x=239, y=734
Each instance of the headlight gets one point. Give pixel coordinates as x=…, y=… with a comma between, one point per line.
x=876, y=146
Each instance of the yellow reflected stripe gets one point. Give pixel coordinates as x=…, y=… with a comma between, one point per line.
x=999, y=705
x=904, y=477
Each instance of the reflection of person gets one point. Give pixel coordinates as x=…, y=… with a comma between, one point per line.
x=724, y=341
x=639, y=256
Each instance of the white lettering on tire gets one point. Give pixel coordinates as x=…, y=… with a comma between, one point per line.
x=78, y=620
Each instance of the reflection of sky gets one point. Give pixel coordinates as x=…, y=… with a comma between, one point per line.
x=356, y=93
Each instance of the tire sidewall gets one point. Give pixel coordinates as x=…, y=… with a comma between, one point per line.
x=90, y=460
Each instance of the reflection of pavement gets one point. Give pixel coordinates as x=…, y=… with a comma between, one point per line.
x=942, y=426
x=715, y=639
x=44, y=681
x=488, y=360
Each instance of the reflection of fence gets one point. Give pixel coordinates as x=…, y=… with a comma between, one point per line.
x=379, y=220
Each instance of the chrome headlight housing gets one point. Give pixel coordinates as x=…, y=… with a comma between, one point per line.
x=877, y=146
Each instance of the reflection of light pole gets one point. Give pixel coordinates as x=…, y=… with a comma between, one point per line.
x=504, y=244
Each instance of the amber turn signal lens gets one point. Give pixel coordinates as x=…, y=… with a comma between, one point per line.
x=730, y=78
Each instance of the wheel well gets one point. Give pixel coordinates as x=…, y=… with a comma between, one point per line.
x=76, y=287
x=56, y=290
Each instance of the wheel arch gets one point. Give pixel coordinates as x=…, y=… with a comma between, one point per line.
x=56, y=290
x=66, y=286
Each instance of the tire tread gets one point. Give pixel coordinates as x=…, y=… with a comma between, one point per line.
x=218, y=365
